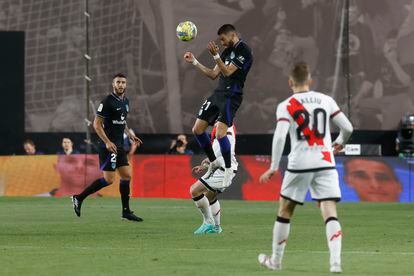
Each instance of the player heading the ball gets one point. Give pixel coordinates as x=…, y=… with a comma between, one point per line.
x=232, y=67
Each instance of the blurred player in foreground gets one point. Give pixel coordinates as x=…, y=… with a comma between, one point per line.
x=204, y=192
x=232, y=66
x=110, y=125
x=306, y=116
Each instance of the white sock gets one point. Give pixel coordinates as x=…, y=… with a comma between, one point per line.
x=280, y=237
x=334, y=238
x=216, y=212
x=204, y=206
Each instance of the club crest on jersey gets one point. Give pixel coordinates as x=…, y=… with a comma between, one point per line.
x=232, y=55
x=122, y=116
x=113, y=165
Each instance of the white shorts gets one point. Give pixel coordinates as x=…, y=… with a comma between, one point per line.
x=215, y=181
x=323, y=185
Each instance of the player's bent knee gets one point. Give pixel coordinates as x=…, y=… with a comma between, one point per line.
x=126, y=177
x=196, y=130
x=193, y=191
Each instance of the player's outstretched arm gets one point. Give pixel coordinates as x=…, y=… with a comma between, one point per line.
x=346, y=130
x=278, y=144
x=211, y=73
x=98, y=126
x=226, y=70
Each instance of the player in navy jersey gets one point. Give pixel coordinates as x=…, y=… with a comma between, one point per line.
x=232, y=67
x=110, y=125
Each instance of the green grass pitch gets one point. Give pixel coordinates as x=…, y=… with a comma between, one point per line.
x=42, y=236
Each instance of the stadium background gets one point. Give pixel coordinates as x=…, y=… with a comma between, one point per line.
x=43, y=69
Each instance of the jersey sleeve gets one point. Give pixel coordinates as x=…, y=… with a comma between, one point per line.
x=103, y=109
x=282, y=113
x=242, y=57
x=334, y=108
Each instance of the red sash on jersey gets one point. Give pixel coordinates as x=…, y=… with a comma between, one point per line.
x=310, y=135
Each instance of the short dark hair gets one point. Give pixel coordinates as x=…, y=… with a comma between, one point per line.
x=226, y=28
x=28, y=141
x=300, y=73
x=119, y=75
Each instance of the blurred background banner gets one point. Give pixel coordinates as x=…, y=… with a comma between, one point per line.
x=167, y=176
x=360, y=52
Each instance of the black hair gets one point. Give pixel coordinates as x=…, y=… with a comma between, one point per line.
x=119, y=75
x=226, y=28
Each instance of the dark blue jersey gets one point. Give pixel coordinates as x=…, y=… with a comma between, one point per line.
x=114, y=110
x=241, y=56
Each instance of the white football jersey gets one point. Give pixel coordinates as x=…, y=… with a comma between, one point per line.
x=309, y=114
x=232, y=139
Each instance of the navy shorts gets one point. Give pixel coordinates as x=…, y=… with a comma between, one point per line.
x=109, y=161
x=220, y=107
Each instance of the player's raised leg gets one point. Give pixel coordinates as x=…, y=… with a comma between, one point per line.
x=203, y=139
x=106, y=180
x=197, y=191
x=333, y=234
x=281, y=231
x=124, y=190
x=225, y=149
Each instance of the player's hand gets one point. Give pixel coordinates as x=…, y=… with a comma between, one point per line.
x=111, y=147
x=189, y=57
x=205, y=163
x=213, y=48
x=337, y=148
x=135, y=140
x=267, y=176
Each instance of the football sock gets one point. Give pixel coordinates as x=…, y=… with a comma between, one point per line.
x=215, y=211
x=225, y=148
x=280, y=236
x=205, y=143
x=93, y=188
x=124, y=191
x=334, y=237
x=203, y=205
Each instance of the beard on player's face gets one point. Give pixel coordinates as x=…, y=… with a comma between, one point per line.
x=119, y=90
x=227, y=39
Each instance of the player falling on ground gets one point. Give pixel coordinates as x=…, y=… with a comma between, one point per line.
x=110, y=125
x=204, y=192
x=232, y=66
x=306, y=116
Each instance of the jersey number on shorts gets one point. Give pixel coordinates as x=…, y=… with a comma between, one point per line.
x=204, y=107
x=318, y=127
x=113, y=158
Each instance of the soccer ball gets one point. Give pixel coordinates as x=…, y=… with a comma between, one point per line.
x=186, y=31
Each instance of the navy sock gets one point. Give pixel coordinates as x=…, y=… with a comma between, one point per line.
x=225, y=148
x=205, y=143
x=93, y=188
x=124, y=191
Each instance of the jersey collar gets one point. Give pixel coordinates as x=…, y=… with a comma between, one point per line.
x=237, y=44
x=116, y=97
